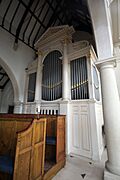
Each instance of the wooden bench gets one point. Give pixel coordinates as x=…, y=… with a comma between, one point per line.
x=22, y=154
x=54, y=151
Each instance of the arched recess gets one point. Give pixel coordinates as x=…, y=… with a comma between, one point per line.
x=12, y=78
x=102, y=29
x=52, y=80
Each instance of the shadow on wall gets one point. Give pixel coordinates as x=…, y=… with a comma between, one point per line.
x=7, y=98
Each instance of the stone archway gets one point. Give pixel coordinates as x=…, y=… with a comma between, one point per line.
x=12, y=78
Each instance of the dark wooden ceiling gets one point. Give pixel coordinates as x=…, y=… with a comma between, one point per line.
x=27, y=20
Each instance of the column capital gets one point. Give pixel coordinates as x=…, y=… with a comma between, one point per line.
x=65, y=41
x=107, y=63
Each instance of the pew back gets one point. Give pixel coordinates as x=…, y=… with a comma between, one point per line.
x=30, y=152
x=55, y=128
x=8, y=134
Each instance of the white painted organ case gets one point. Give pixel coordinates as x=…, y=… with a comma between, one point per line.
x=64, y=80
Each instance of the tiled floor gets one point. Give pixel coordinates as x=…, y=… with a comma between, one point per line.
x=79, y=169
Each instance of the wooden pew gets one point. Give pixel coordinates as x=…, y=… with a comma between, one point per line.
x=55, y=139
x=55, y=145
x=25, y=159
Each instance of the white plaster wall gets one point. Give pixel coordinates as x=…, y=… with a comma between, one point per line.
x=7, y=98
x=17, y=60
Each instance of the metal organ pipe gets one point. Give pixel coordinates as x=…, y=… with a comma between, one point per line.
x=55, y=69
x=82, y=78
x=74, y=80
x=57, y=80
x=71, y=80
x=53, y=76
x=79, y=78
x=87, y=90
x=52, y=79
x=77, y=75
x=83, y=83
x=58, y=86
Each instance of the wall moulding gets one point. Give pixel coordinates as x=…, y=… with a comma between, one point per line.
x=51, y=34
x=79, y=53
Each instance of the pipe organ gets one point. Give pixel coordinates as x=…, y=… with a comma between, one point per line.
x=52, y=77
x=31, y=87
x=69, y=84
x=79, y=79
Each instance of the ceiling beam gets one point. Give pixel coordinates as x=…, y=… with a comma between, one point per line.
x=36, y=21
x=6, y=12
x=33, y=14
x=64, y=10
x=4, y=74
x=14, y=16
x=36, y=35
x=22, y=20
x=53, y=15
x=54, y=10
x=27, y=25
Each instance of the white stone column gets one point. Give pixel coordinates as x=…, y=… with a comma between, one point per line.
x=64, y=105
x=111, y=107
x=26, y=93
x=38, y=88
x=18, y=107
x=65, y=87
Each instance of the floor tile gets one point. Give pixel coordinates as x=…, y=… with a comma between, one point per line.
x=77, y=168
